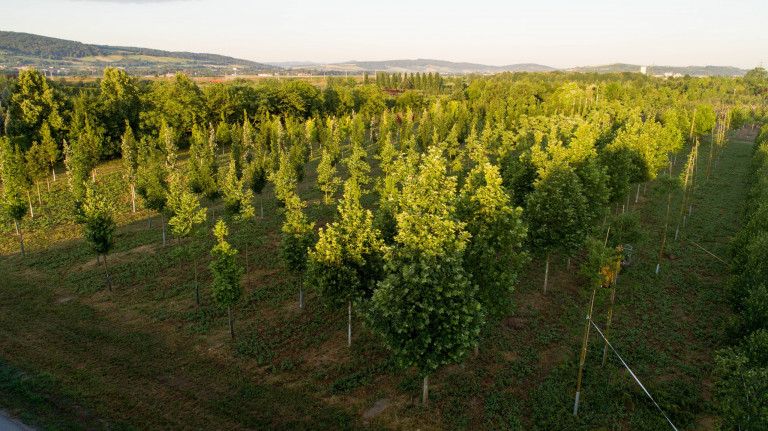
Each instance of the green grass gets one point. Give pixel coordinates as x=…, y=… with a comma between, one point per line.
x=145, y=357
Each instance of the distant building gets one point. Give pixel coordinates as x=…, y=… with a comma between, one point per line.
x=644, y=70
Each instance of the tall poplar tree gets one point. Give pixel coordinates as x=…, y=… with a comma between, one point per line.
x=227, y=287
x=298, y=236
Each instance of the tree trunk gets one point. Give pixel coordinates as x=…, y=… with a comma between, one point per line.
x=133, y=197
x=39, y=199
x=247, y=277
x=568, y=265
x=425, y=392
x=197, y=288
x=98, y=257
x=54, y=174
x=301, y=292
x=162, y=222
x=31, y=211
x=546, y=273
x=48, y=183
x=93, y=175
x=21, y=237
x=231, y=329
x=349, y=324
x=106, y=269
x=261, y=201
x=637, y=195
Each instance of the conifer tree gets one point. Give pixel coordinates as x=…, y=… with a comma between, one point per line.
x=227, y=287
x=347, y=260
x=426, y=309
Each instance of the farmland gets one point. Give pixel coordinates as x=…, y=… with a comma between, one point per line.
x=471, y=175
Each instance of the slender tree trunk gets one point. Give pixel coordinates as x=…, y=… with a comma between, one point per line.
x=247, y=277
x=568, y=265
x=39, y=199
x=31, y=211
x=546, y=273
x=162, y=222
x=93, y=175
x=48, y=183
x=425, y=392
x=610, y=316
x=197, y=288
x=21, y=237
x=301, y=291
x=349, y=326
x=106, y=269
x=54, y=174
x=231, y=328
x=98, y=257
x=133, y=197
x=261, y=202
x=637, y=195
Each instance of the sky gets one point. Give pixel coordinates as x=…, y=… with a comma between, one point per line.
x=557, y=33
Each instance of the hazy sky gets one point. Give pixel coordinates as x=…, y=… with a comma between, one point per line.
x=559, y=33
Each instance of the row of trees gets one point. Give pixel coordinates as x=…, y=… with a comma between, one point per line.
x=470, y=185
x=742, y=386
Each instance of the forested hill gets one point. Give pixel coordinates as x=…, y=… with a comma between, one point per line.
x=661, y=70
x=427, y=65
x=24, y=49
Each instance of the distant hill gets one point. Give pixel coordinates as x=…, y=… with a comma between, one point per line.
x=24, y=49
x=661, y=70
x=424, y=66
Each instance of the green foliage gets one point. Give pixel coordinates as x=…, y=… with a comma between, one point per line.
x=187, y=214
x=237, y=201
x=347, y=260
x=426, y=309
x=556, y=211
x=99, y=223
x=12, y=174
x=298, y=236
x=284, y=179
x=326, y=177
x=226, y=288
x=742, y=387
x=151, y=182
x=494, y=256
x=34, y=103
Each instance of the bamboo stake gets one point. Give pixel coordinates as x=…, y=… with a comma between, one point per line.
x=585, y=340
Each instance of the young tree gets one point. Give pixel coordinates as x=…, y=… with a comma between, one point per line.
x=326, y=177
x=152, y=186
x=237, y=202
x=227, y=287
x=50, y=148
x=347, y=260
x=99, y=224
x=11, y=171
x=36, y=166
x=556, y=212
x=494, y=255
x=187, y=217
x=130, y=151
x=426, y=309
x=298, y=236
x=284, y=179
